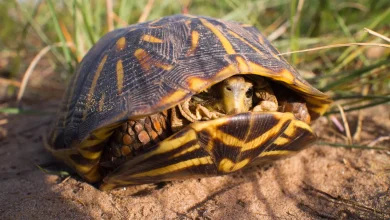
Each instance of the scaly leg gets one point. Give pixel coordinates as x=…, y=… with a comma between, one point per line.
x=203, y=113
x=263, y=91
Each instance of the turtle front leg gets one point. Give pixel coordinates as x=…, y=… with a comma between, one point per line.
x=268, y=101
x=185, y=111
x=203, y=113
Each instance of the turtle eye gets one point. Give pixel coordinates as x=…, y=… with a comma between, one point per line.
x=249, y=92
x=228, y=88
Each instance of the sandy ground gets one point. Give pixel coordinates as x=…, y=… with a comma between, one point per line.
x=320, y=182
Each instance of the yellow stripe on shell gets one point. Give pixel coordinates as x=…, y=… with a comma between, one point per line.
x=194, y=42
x=163, y=66
x=276, y=153
x=90, y=155
x=171, y=144
x=228, y=166
x=90, y=142
x=121, y=43
x=101, y=102
x=89, y=172
x=151, y=39
x=83, y=169
x=185, y=151
x=175, y=167
x=197, y=84
x=245, y=41
x=173, y=98
x=226, y=72
x=119, y=76
x=242, y=65
x=93, y=175
x=93, y=86
x=281, y=141
x=261, y=39
x=141, y=55
x=224, y=41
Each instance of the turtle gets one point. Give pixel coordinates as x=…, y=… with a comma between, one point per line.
x=181, y=97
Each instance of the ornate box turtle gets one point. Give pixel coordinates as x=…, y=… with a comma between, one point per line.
x=180, y=97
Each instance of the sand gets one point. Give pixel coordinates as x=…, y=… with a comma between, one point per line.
x=321, y=182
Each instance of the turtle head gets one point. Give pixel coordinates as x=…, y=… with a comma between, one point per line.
x=236, y=94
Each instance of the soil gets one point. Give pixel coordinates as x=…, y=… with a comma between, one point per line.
x=321, y=182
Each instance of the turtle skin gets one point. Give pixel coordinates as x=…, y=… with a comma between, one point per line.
x=147, y=68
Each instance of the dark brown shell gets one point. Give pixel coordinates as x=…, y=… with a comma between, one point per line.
x=149, y=67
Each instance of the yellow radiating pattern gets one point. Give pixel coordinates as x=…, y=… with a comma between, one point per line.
x=121, y=43
x=194, y=42
x=151, y=39
x=119, y=76
x=173, y=98
x=245, y=41
x=270, y=133
x=261, y=39
x=89, y=154
x=186, y=151
x=177, y=166
x=197, y=84
x=101, y=102
x=163, y=66
x=242, y=65
x=276, y=153
x=281, y=141
x=226, y=71
x=171, y=144
x=228, y=166
x=93, y=86
x=225, y=42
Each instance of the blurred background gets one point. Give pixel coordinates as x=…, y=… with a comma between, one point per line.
x=42, y=41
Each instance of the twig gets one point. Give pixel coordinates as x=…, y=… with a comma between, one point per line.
x=297, y=15
x=377, y=34
x=110, y=20
x=3, y=121
x=346, y=126
x=334, y=46
x=356, y=136
x=278, y=32
x=339, y=200
x=119, y=20
x=146, y=11
x=337, y=123
x=32, y=65
x=378, y=140
x=10, y=81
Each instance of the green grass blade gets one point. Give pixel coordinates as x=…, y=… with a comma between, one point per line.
x=369, y=105
x=365, y=147
x=87, y=25
x=65, y=49
x=353, y=75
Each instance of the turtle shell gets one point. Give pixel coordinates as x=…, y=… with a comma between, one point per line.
x=150, y=67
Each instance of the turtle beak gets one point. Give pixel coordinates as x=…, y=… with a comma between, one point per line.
x=233, y=103
x=234, y=95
